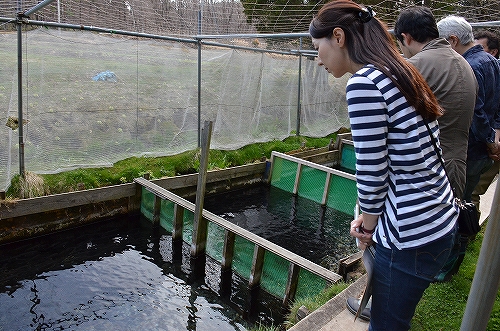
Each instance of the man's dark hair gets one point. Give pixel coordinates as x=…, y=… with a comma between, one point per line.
x=417, y=21
x=493, y=40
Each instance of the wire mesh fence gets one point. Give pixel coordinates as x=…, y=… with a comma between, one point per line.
x=92, y=98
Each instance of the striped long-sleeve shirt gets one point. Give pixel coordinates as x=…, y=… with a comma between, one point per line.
x=399, y=175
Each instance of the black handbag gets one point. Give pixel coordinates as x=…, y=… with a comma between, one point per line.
x=468, y=217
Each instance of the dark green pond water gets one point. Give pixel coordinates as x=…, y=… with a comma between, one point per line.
x=122, y=274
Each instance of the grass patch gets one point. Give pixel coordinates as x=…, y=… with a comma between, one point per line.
x=443, y=304
x=29, y=186
x=314, y=303
x=184, y=163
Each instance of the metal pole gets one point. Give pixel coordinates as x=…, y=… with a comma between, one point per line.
x=199, y=93
x=199, y=74
x=299, y=105
x=20, y=94
x=484, y=289
x=38, y=7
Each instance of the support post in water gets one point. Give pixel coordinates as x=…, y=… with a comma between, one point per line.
x=200, y=225
x=156, y=211
x=257, y=266
x=226, y=264
x=178, y=225
x=291, y=284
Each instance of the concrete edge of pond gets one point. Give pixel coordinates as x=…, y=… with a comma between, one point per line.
x=334, y=315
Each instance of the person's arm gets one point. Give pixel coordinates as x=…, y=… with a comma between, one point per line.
x=363, y=229
x=367, y=114
x=494, y=151
x=481, y=127
x=368, y=118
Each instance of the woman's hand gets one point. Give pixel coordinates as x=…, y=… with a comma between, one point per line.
x=368, y=222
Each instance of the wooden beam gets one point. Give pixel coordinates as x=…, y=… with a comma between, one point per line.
x=17, y=208
x=257, y=265
x=326, y=189
x=228, y=251
x=287, y=255
x=200, y=225
x=291, y=284
x=178, y=223
x=314, y=165
x=172, y=183
x=156, y=211
x=297, y=179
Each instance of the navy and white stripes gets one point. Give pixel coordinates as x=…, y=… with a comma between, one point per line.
x=398, y=173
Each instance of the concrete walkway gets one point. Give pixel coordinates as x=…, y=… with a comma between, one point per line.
x=334, y=316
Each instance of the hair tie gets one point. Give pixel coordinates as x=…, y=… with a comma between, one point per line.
x=366, y=14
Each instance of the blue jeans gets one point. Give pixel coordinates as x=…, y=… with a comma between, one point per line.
x=400, y=278
x=475, y=168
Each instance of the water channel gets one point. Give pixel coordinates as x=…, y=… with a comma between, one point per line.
x=123, y=275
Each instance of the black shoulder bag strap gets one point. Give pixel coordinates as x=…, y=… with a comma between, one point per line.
x=439, y=155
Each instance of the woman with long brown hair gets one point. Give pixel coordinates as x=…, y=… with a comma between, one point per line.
x=407, y=205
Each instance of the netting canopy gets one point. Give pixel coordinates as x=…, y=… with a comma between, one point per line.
x=191, y=17
x=106, y=80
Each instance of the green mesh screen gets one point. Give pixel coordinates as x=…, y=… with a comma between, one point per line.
x=348, y=159
x=147, y=204
x=312, y=184
x=275, y=269
x=309, y=285
x=243, y=257
x=274, y=274
x=283, y=175
x=342, y=191
x=342, y=194
x=167, y=215
x=215, y=241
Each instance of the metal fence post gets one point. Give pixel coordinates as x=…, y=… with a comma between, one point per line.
x=484, y=289
x=299, y=103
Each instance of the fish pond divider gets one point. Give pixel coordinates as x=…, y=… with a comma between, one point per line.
x=264, y=264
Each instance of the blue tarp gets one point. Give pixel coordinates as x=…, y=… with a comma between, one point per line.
x=106, y=76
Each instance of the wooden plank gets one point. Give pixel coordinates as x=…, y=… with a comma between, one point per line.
x=340, y=137
x=178, y=223
x=271, y=168
x=228, y=251
x=287, y=255
x=200, y=225
x=291, y=284
x=172, y=183
x=156, y=210
x=315, y=166
x=297, y=178
x=257, y=265
x=326, y=189
x=165, y=194
x=309, y=152
x=322, y=158
x=346, y=264
x=17, y=208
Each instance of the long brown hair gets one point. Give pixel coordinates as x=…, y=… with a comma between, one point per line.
x=369, y=42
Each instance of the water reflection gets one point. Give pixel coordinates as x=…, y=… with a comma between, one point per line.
x=127, y=274
x=112, y=275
